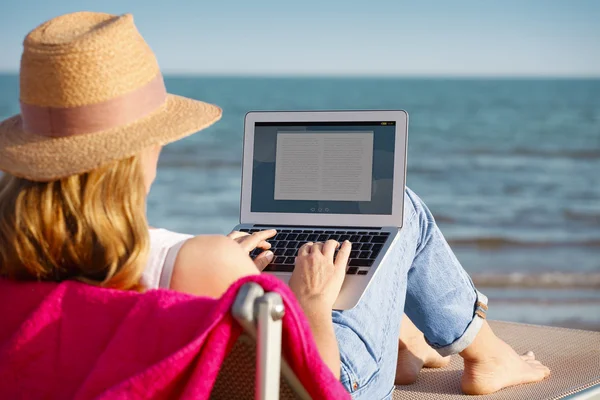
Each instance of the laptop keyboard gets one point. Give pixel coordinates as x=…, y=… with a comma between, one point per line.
x=366, y=246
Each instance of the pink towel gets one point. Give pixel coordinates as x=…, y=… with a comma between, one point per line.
x=72, y=340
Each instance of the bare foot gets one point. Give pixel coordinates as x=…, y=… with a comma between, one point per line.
x=499, y=369
x=414, y=354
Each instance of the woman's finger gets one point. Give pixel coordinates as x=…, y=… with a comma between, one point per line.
x=316, y=247
x=341, y=260
x=263, y=259
x=263, y=235
x=237, y=234
x=305, y=249
x=264, y=245
x=251, y=242
x=329, y=248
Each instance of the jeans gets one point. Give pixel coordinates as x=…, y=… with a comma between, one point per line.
x=422, y=278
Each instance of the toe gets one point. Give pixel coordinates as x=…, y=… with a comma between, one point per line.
x=544, y=369
x=528, y=356
x=535, y=375
x=534, y=372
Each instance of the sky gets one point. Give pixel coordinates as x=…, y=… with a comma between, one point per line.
x=541, y=38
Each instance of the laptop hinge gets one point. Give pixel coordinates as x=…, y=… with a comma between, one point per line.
x=319, y=226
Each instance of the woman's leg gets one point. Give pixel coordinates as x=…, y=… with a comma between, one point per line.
x=415, y=354
x=441, y=299
x=421, y=276
x=443, y=303
x=368, y=334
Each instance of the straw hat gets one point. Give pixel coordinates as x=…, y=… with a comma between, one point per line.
x=91, y=93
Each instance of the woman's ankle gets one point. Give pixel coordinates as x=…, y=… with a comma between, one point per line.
x=483, y=347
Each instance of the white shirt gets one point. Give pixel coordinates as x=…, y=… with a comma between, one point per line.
x=164, y=247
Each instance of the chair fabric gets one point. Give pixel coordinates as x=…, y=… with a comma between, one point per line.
x=72, y=340
x=573, y=357
x=236, y=378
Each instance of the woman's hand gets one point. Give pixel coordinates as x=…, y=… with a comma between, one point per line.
x=250, y=242
x=317, y=278
x=316, y=282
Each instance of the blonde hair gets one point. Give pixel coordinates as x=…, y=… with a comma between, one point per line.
x=90, y=227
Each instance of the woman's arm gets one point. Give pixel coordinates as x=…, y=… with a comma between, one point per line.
x=321, y=326
x=208, y=265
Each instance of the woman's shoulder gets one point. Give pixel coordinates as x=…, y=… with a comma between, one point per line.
x=210, y=249
x=165, y=238
x=190, y=246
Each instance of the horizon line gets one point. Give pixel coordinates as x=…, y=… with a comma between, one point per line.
x=181, y=74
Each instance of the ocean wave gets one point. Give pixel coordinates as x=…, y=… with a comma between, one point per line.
x=444, y=219
x=544, y=301
x=544, y=280
x=418, y=170
x=499, y=242
x=581, y=216
x=579, y=154
x=199, y=163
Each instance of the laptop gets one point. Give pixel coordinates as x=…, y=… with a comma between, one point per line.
x=320, y=175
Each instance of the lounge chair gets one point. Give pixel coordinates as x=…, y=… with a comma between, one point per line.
x=250, y=371
x=221, y=363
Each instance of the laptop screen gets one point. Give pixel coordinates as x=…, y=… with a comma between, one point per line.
x=323, y=167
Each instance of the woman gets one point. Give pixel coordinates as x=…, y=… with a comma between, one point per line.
x=82, y=156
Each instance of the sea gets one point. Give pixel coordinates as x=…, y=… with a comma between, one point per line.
x=510, y=169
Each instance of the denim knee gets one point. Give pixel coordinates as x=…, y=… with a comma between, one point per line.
x=473, y=325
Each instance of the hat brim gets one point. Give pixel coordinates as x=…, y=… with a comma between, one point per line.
x=41, y=158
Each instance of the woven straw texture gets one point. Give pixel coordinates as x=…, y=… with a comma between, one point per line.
x=37, y=158
x=573, y=356
x=94, y=57
x=82, y=60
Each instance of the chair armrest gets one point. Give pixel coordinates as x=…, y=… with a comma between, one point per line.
x=260, y=314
